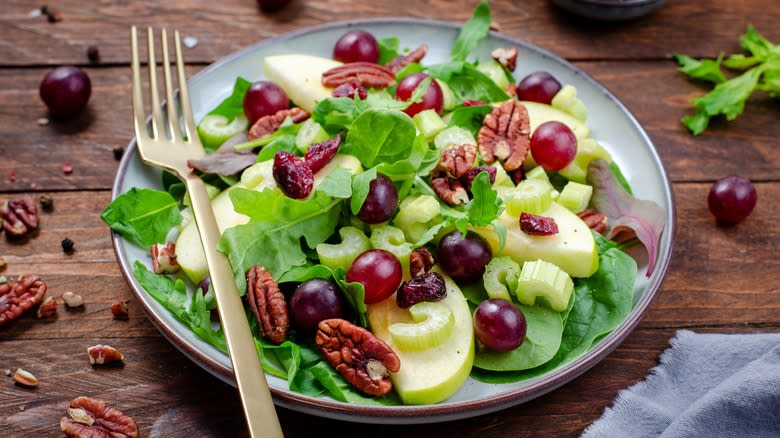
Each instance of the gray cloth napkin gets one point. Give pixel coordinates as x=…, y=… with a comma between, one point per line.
x=707, y=385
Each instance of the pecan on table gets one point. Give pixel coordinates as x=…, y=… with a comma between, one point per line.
x=505, y=135
x=267, y=125
x=420, y=261
x=401, y=61
x=367, y=74
x=360, y=357
x=456, y=161
x=20, y=296
x=93, y=418
x=119, y=309
x=48, y=308
x=450, y=190
x=104, y=355
x=20, y=217
x=595, y=220
x=506, y=57
x=267, y=304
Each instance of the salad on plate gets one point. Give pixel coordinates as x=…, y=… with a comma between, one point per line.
x=397, y=226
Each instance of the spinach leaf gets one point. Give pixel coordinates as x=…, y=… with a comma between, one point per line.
x=474, y=31
x=277, y=226
x=388, y=49
x=379, y=135
x=336, y=114
x=337, y=184
x=470, y=117
x=234, y=105
x=467, y=82
x=142, y=216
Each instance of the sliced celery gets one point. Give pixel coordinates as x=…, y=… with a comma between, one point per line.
x=587, y=150
x=454, y=135
x=214, y=130
x=502, y=178
x=428, y=123
x=530, y=196
x=566, y=100
x=537, y=172
x=495, y=72
x=546, y=281
x=500, y=277
x=341, y=255
x=416, y=209
x=575, y=196
x=392, y=239
x=433, y=325
x=311, y=132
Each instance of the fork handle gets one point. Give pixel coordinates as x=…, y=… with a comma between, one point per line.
x=257, y=402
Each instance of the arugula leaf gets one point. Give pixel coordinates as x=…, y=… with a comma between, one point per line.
x=336, y=114
x=337, y=184
x=470, y=117
x=388, y=49
x=277, y=226
x=474, y=31
x=234, y=105
x=142, y=216
x=360, y=186
x=467, y=82
x=485, y=205
x=379, y=135
x=706, y=69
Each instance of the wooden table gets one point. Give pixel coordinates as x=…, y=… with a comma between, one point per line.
x=722, y=279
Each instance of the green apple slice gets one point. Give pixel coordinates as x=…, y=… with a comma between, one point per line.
x=341, y=255
x=300, y=76
x=539, y=113
x=433, y=324
x=430, y=375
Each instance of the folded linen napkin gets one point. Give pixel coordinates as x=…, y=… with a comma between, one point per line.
x=707, y=385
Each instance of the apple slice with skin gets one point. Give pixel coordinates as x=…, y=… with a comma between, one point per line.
x=189, y=251
x=300, y=76
x=433, y=374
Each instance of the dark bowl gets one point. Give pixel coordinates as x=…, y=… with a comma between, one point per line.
x=610, y=10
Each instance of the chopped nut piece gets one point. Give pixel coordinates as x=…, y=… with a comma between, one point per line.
x=25, y=378
x=267, y=303
x=43, y=121
x=506, y=57
x=3, y=280
x=46, y=201
x=19, y=297
x=20, y=217
x=92, y=418
x=364, y=360
x=450, y=190
x=7, y=372
x=164, y=258
x=119, y=310
x=595, y=220
x=457, y=160
x=401, y=61
x=505, y=135
x=104, y=355
x=72, y=300
x=420, y=261
x=48, y=308
x=267, y=125
x=367, y=74
x=3, y=263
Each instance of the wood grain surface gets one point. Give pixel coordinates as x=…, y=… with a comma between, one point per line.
x=722, y=279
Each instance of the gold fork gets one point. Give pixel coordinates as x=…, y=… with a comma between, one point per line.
x=168, y=149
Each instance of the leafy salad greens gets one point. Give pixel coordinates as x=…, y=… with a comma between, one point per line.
x=287, y=236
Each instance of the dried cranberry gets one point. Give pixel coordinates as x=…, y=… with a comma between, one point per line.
x=320, y=154
x=472, y=173
x=294, y=177
x=426, y=287
x=473, y=103
x=538, y=225
x=349, y=88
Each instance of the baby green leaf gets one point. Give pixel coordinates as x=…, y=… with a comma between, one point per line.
x=485, y=206
x=474, y=31
x=338, y=184
x=233, y=105
x=388, y=49
x=706, y=69
x=360, y=185
x=379, y=135
x=142, y=216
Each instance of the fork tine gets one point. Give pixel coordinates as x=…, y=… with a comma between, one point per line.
x=139, y=122
x=158, y=128
x=173, y=119
x=184, y=93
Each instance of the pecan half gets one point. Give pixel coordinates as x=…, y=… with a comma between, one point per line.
x=456, y=161
x=506, y=57
x=20, y=217
x=367, y=74
x=164, y=258
x=267, y=304
x=93, y=418
x=104, y=355
x=48, y=308
x=450, y=190
x=20, y=296
x=401, y=61
x=595, y=220
x=420, y=261
x=267, y=125
x=119, y=310
x=360, y=357
x=505, y=135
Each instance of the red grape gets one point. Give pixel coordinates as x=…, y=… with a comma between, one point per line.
x=463, y=259
x=538, y=87
x=381, y=202
x=264, y=98
x=65, y=91
x=356, y=46
x=499, y=325
x=313, y=301
x=732, y=199
x=553, y=145
x=379, y=272
x=433, y=98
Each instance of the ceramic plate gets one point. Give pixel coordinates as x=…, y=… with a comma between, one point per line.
x=611, y=124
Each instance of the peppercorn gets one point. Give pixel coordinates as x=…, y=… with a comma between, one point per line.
x=46, y=201
x=67, y=245
x=118, y=152
x=93, y=54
